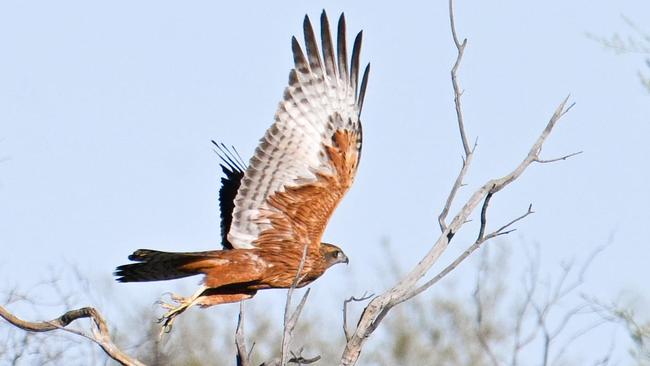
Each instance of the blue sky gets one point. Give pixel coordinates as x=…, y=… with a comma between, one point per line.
x=107, y=112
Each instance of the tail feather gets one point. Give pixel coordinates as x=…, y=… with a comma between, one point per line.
x=157, y=266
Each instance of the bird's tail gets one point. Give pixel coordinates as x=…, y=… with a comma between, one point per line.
x=155, y=265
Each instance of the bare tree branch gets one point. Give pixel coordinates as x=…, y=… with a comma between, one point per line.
x=469, y=153
x=405, y=289
x=243, y=355
x=465, y=254
x=291, y=319
x=363, y=297
x=100, y=332
x=558, y=159
x=454, y=189
x=454, y=79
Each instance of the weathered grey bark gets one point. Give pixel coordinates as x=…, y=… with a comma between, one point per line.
x=409, y=286
x=99, y=332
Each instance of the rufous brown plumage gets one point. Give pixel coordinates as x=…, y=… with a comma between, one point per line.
x=275, y=209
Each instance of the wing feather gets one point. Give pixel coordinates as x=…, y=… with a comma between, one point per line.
x=342, y=49
x=328, y=48
x=307, y=159
x=362, y=92
x=312, y=48
x=233, y=168
x=298, y=57
x=354, y=71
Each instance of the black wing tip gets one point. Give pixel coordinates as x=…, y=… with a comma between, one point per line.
x=231, y=161
x=341, y=48
x=297, y=50
x=324, y=21
x=362, y=88
x=299, y=59
x=340, y=26
x=313, y=53
x=356, y=47
x=306, y=22
x=342, y=20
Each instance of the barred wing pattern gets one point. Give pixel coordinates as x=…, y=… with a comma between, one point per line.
x=308, y=158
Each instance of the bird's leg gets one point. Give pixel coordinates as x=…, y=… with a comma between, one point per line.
x=181, y=304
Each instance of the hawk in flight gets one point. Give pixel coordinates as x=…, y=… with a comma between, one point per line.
x=274, y=211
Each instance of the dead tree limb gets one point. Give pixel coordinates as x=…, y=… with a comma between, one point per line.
x=99, y=331
x=363, y=297
x=408, y=287
x=243, y=357
x=291, y=318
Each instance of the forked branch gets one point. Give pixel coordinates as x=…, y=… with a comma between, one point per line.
x=408, y=287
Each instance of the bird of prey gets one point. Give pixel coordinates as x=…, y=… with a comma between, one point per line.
x=275, y=209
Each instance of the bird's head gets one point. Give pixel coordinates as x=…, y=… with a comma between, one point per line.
x=332, y=254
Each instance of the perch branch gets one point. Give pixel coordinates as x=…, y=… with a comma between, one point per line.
x=100, y=333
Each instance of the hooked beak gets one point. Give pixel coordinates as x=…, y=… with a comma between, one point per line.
x=345, y=260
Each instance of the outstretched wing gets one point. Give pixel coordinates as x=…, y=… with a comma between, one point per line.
x=308, y=158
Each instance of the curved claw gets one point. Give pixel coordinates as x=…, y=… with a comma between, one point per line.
x=166, y=327
x=178, y=306
x=167, y=320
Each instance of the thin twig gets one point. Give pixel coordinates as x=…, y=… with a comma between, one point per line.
x=363, y=297
x=558, y=159
x=457, y=91
x=486, y=203
x=469, y=153
x=301, y=360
